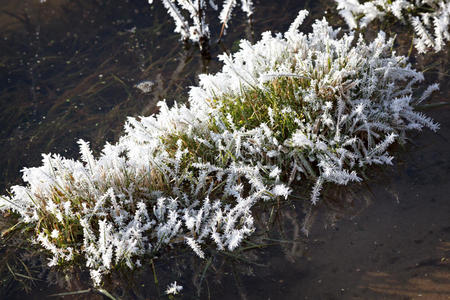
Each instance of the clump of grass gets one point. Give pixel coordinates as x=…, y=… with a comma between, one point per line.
x=290, y=109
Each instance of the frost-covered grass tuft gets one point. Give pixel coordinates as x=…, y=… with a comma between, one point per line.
x=291, y=109
x=429, y=18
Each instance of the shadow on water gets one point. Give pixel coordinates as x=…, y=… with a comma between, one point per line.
x=68, y=70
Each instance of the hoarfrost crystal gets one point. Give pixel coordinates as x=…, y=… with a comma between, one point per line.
x=174, y=289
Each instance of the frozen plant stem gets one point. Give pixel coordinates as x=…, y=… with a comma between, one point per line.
x=292, y=109
x=197, y=30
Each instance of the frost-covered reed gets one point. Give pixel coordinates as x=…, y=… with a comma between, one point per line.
x=292, y=109
x=429, y=18
x=197, y=29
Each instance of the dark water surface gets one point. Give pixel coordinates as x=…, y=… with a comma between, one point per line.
x=68, y=71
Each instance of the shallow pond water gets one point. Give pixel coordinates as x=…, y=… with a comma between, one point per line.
x=68, y=70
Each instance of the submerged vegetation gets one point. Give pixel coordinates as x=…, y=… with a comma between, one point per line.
x=294, y=108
